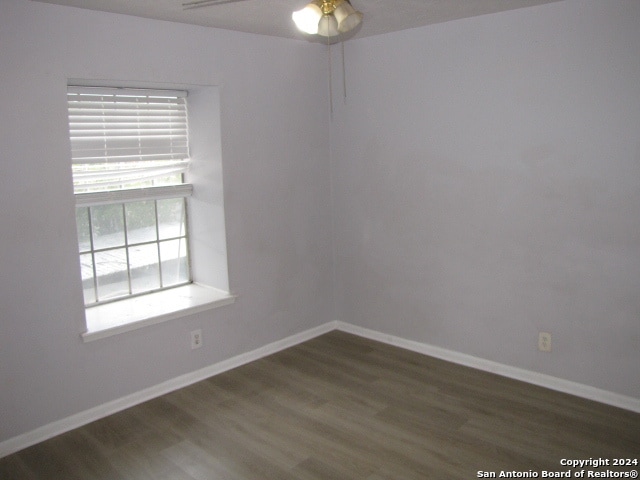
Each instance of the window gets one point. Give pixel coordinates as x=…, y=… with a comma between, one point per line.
x=147, y=174
x=130, y=149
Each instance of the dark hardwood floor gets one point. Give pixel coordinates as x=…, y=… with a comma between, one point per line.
x=339, y=407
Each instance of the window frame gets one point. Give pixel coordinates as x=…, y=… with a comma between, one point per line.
x=207, y=231
x=111, y=128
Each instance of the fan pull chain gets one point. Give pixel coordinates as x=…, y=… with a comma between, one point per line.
x=330, y=80
x=344, y=75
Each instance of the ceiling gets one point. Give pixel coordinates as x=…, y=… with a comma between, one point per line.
x=273, y=17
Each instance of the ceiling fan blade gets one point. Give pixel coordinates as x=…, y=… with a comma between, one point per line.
x=206, y=3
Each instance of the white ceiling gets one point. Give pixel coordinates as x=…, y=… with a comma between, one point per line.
x=273, y=17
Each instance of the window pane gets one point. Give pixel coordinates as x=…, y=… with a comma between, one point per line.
x=86, y=269
x=141, y=222
x=145, y=268
x=84, y=233
x=111, y=268
x=175, y=268
x=175, y=179
x=108, y=226
x=171, y=217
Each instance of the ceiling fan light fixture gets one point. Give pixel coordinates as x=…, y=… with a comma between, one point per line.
x=347, y=17
x=327, y=18
x=308, y=19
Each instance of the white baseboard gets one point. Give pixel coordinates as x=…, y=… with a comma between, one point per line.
x=535, y=378
x=74, y=421
x=45, y=432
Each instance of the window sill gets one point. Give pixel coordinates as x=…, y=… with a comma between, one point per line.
x=133, y=313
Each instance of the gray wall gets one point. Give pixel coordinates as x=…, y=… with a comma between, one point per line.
x=487, y=187
x=276, y=194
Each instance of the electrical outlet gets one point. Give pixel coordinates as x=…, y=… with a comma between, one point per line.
x=544, y=342
x=196, y=339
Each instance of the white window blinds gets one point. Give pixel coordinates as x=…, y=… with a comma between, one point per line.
x=125, y=139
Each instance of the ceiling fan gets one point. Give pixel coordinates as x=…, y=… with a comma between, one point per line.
x=327, y=18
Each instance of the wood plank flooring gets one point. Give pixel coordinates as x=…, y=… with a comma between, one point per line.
x=338, y=407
